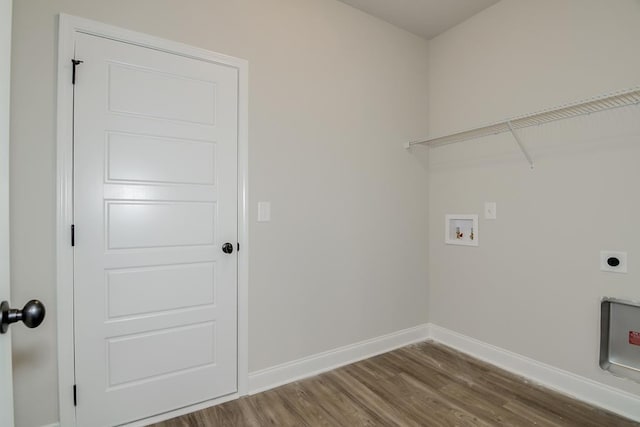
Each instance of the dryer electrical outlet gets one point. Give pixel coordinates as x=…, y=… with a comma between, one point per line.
x=613, y=261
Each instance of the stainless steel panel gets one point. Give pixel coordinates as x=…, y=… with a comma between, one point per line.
x=620, y=338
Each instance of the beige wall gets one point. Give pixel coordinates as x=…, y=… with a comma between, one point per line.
x=533, y=285
x=333, y=95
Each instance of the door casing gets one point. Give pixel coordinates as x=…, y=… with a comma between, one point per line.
x=6, y=381
x=69, y=27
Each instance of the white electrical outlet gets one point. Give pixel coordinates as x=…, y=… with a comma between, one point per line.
x=613, y=261
x=490, y=210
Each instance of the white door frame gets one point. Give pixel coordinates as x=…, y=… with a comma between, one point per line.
x=69, y=28
x=6, y=390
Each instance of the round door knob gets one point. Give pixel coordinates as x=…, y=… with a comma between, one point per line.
x=227, y=248
x=32, y=315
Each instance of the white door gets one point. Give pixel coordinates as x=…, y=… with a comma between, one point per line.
x=155, y=200
x=6, y=385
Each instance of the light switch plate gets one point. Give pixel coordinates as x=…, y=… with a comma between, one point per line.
x=490, y=210
x=264, y=211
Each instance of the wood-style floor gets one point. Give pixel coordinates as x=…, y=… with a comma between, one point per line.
x=425, y=384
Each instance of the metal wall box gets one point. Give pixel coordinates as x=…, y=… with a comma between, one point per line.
x=620, y=338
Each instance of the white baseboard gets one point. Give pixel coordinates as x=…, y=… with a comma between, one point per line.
x=578, y=387
x=275, y=376
x=52, y=425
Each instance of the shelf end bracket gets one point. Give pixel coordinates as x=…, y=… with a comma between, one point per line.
x=520, y=144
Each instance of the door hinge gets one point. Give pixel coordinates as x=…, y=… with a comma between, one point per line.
x=75, y=396
x=75, y=63
x=73, y=235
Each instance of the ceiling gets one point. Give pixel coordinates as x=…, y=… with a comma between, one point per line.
x=425, y=18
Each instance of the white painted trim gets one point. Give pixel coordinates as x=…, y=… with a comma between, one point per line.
x=52, y=425
x=276, y=376
x=575, y=386
x=69, y=27
x=243, y=229
x=6, y=373
x=64, y=219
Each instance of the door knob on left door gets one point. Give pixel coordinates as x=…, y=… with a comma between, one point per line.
x=32, y=315
x=227, y=248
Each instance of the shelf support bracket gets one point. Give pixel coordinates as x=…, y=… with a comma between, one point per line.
x=520, y=144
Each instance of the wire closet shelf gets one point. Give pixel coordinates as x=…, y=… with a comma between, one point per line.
x=594, y=105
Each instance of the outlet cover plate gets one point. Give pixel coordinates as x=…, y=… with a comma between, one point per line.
x=622, y=258
x=490, y=210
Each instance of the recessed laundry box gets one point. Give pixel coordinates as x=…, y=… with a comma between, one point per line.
x=620, y=338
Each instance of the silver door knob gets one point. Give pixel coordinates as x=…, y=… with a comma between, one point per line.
x=32, y=315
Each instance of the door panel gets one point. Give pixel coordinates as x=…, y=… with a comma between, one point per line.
x=146, y=225
x=155, y=197
x=156, y=94
x=159, y=160
x=165, y=288
x=128, y=357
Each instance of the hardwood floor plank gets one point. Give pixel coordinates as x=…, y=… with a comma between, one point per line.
x=484, y=406
x=424, y=384
x=341, y=404
x=410, y=400
x=305, y=406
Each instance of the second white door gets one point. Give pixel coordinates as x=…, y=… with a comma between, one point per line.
x=155, y=200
